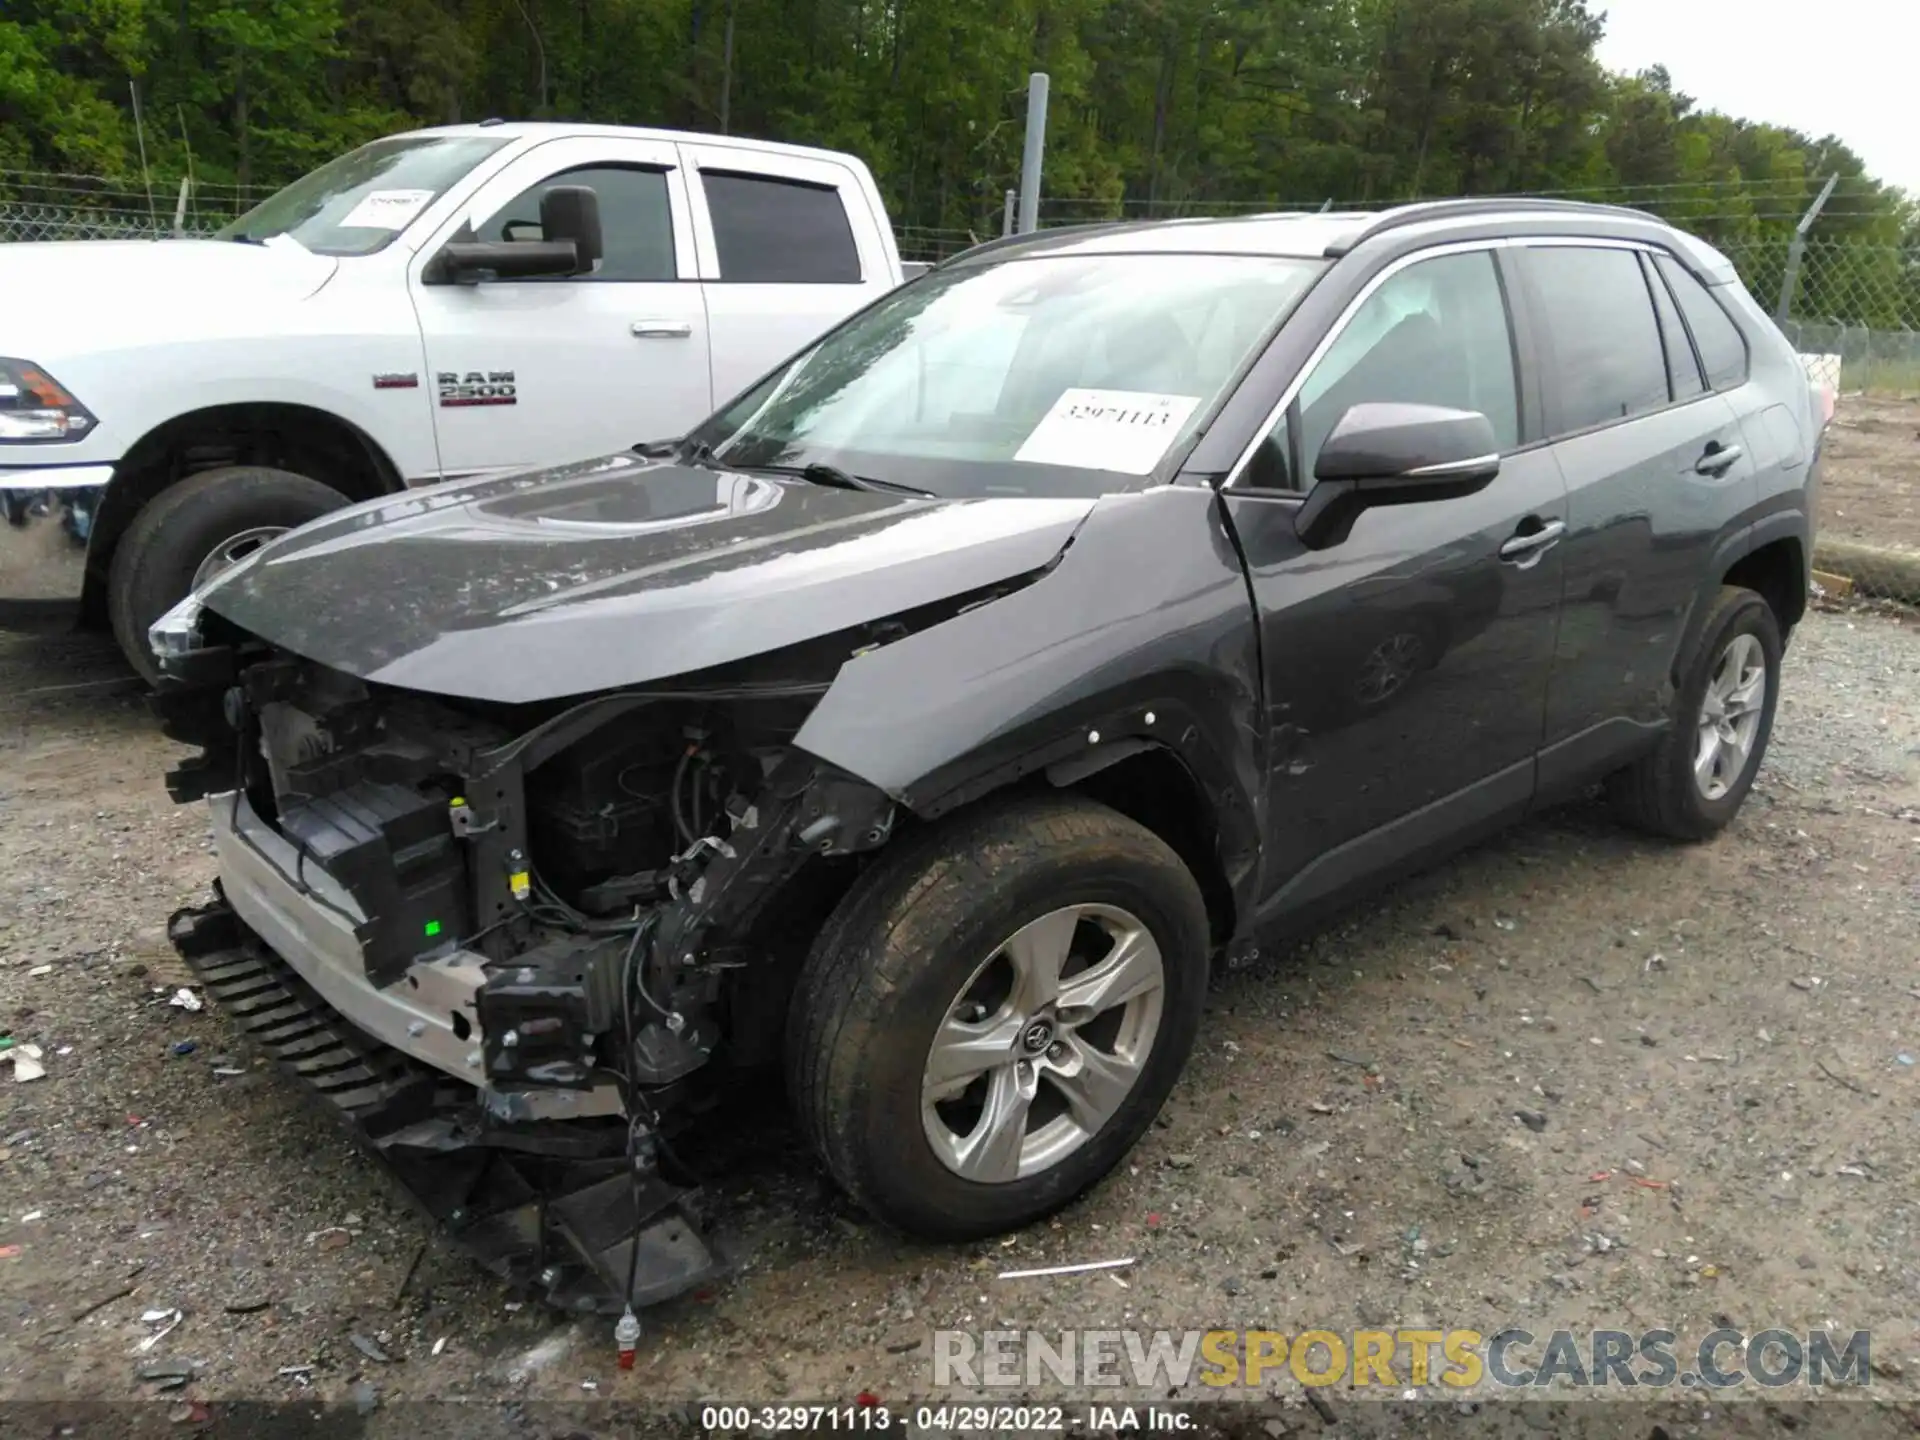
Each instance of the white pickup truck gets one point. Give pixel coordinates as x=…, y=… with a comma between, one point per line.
x=433, y=305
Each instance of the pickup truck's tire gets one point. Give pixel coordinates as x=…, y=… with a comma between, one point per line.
x=183, y=530
x=922, y=1014
x=1691, y=784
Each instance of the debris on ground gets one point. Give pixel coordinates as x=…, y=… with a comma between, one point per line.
x=1079, y=1269
x=370, y=1348
x=167, y=1320
x=25, y=1060
x=185, y=999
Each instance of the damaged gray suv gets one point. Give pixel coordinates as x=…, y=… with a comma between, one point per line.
x=921, y=725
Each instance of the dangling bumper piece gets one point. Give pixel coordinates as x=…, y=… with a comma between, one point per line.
x=548, y=1205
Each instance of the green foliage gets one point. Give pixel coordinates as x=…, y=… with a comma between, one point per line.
x=1159, y=106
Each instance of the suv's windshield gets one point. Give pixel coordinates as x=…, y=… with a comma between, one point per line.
x=1044, y=376
x=356, y=204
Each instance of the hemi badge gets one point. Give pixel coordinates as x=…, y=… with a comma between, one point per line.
x=394, y=380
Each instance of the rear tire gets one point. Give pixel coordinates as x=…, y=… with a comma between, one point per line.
x=1665, y=791
x=184, y=526
x=897, y=973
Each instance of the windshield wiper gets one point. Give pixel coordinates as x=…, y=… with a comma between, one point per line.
x=819, y=473
x=244, y=239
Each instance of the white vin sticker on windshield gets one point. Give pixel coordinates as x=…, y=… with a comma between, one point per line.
x=386, y=209
x=1122, y=430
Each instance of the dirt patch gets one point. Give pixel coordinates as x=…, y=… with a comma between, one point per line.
x=1573, y=1077
x=1870, y=482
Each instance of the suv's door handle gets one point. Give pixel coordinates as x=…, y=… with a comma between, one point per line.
x=1532, y=543
x=1718, y=459
x=663, y=329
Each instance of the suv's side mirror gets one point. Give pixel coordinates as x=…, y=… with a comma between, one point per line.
x=1394, y=454
x=571, y=244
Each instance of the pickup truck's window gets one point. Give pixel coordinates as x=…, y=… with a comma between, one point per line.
x=1600, y=332
x=636, y=220
x=358, y=203
x=1722, y=350
x=1436, y=333
x=1683, y=367
x=1070, y=374
x=780, y=231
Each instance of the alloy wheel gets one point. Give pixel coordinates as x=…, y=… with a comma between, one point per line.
x=1043, y=1044
x=1730, y=716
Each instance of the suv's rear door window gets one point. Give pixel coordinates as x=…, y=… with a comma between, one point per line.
x=1602, y=338
x=1722, y=350
x=771, y=231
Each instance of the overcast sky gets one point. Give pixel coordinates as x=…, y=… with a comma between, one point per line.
x=1827, y=67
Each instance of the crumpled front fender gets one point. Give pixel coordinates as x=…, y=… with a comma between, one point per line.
x=1143, y=631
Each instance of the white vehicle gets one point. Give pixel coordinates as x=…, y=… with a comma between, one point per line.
x=432, y=306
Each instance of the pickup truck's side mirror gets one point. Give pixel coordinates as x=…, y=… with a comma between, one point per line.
x=572, y=212
x=1394, y=454
x=572, y=244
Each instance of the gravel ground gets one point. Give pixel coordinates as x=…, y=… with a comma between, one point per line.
x=1734, y=1022
x=1871, y=490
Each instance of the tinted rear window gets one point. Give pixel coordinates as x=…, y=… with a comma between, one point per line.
x=780, y=231
x=1683, y=369
x=1602, y=335
x=1722, y=350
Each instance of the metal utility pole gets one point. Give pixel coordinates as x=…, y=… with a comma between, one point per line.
x=1036, y=150
x=1797, y=247
x=1007, y=220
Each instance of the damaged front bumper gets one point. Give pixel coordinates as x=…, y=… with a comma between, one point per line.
x=535, y=1184
x=310, y=920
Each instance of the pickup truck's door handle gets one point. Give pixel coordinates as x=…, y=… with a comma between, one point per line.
x=1718, y=459
x=663, y=329
x=1530, y=545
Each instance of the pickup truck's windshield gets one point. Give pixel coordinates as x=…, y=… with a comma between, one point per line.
x=356, y=204
x=1053, y=375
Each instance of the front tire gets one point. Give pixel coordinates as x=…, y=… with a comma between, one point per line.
x=187, y=533
x=1692, y=784
x=995, y=1013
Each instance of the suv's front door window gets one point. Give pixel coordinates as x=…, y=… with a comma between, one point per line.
x=1433, y=334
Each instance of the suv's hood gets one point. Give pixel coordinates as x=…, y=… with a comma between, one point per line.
x=613, y=572
x=68, y=290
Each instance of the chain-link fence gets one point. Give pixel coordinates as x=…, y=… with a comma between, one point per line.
x=36, y=205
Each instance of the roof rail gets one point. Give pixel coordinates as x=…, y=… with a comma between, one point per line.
x=1004, y=242
x=1422, y=211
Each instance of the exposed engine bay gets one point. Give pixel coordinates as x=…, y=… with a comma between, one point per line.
x=522, y=946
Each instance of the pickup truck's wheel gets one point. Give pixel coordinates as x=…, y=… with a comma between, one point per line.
x=188, y=534
x=995, y=1012
x=1692, y=784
